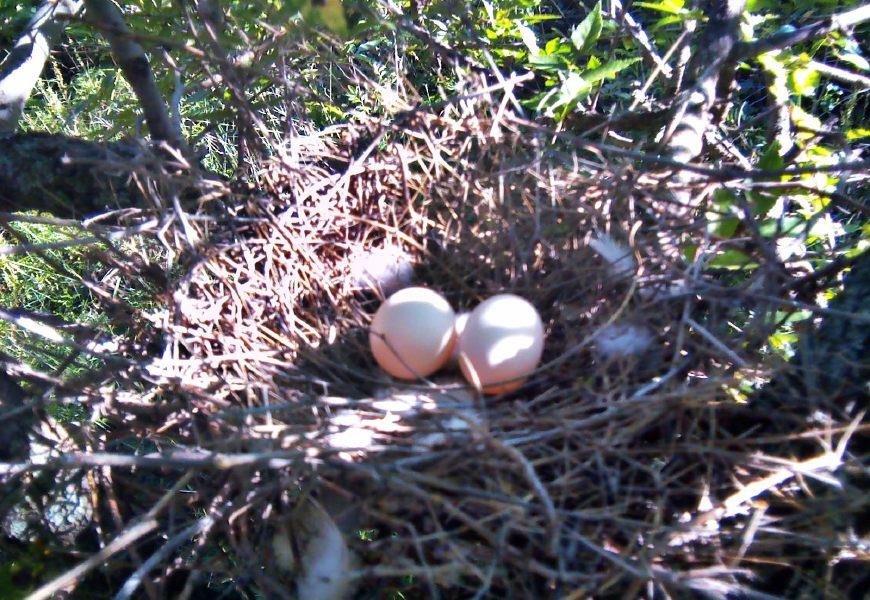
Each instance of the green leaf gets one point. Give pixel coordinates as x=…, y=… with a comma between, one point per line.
x=608, y=69
x=578, y=86
x=328, y=13
x=689, y=252
x=672, y=7
x=534, y=19
x=771, y=159
x=803, y=81
x=724, y=198
x=721, y=222
x=804, y=119
x=722, y=227
x=586, y=34
x=547, y=61
x=857, y=134
x=732, y=260
x=529, y=38
x=668, y=20
x=761, y=202
x=778, y=87
x=107, y=85
x=556, y=46
x=754, y=6
x=785, y=226
x=573, y=89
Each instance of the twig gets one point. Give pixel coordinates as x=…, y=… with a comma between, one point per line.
x=176, y=459
x=639, y=95
x=122, y=541
x=840, y=74
x=177, y=92
x=829, y=461
x=640, y=36
x=837, y=22
x=454, y=56
x=110, y=236
x=125, y=539
x=155, y=559
x=716, y=342
x=722, y=174
x=533, y=479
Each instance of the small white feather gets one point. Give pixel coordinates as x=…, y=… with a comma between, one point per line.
x=386, y=269
x=622, y=340
x=618, y=256
x=325, y=560
x=326, y=563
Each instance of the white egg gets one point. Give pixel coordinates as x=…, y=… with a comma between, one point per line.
x=501, y=344
x=412, y=333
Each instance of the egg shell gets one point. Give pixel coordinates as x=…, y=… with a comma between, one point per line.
x=501, y=344
x=412, y=333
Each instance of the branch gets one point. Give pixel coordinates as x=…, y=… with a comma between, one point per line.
x=641, y=37
x=125, y=539
x=133, y=62
x=13, y=421
x=20, y=72
x=844, y=21
x=711, y=72
x=66, y=176
x=132, y=584
x=818, y=466
x=843, y=75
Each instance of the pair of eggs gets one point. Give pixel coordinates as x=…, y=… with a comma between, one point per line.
x=497, y=345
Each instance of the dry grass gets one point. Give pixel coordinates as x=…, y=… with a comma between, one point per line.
x=650, y=476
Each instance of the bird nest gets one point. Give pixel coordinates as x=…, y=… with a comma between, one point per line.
x=249, y=441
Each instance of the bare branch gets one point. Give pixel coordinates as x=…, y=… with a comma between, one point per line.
x=132, y=584
x=127, y=538
x=838, y=22
x=709, y=80
x=643, y=40
x=66, y=176
x=843, y=75
x=133, y=62
x=13, y=419
x=20, y=72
